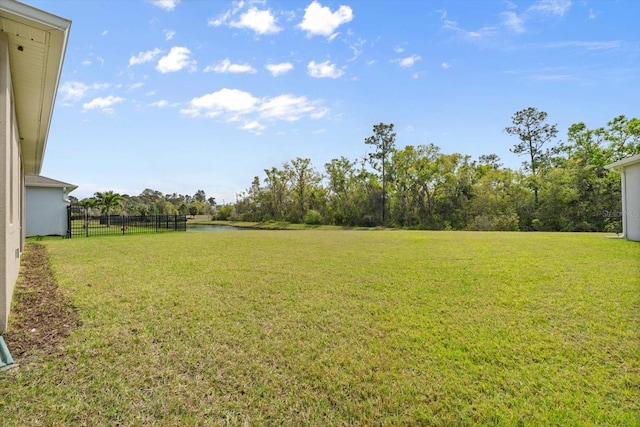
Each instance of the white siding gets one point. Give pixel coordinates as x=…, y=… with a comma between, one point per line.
x=631, y=201
x=46, y=211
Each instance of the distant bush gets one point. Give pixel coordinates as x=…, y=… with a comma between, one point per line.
x=313, y=217
x=613, y=227
x=225, y=213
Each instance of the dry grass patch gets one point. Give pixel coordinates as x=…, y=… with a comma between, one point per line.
x=42, y=317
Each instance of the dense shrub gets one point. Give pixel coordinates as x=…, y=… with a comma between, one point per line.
x=313, y=217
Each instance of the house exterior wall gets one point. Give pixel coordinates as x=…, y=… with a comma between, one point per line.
x=631, y=201
x=11, y=189
x=46, y=212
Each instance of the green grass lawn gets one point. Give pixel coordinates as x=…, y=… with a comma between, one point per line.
x=325, y=328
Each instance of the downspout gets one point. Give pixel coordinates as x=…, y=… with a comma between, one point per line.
x=65, y=195
x=65, y=199
x=6, y=361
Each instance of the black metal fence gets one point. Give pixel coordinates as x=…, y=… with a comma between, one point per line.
x=81, y=223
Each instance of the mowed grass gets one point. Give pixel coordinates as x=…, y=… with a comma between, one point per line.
x=341, y=328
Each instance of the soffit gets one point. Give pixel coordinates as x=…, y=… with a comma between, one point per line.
x=37, y=43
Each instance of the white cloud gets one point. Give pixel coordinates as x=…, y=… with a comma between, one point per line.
x=220, y=20
x=75, y=91
x=160, y=104
x=590, y=45
x=553, y=77
x=481, y=34
x=165, y=4
x=319, y=113
x=168, y=34
x=445, y=65
x=163, y=103
x=286, y=107
x=223, y=101
x=143, y=57
x=509, y=20
x=512, y=21
x=88, y=62
x=103, y=104
x=225, y=66
x=175, y=60
x=510, y=5
x=223, y=19
x=323, y=70
x=233, y=105
x=279, y=69
x=357, y=49
x=260, y=21
x=318, y=20
x=554, y=7
x=135, y=86
x=254, y=127
x=409, y=61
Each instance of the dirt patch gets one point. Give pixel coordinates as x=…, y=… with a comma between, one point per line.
x=42, y=317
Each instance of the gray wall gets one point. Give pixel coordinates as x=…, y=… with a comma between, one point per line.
x=631, y=201
x=46, y=211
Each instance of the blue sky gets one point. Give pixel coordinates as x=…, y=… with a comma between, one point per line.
x=179, y=96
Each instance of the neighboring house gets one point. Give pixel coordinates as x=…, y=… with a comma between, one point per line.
x=629, y=169
x=46, y=206
x=32, y=48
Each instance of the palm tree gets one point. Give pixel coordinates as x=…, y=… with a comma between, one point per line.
x=108, y=200
x=88, y=205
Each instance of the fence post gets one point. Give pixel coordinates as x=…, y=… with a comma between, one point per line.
x=68, y=221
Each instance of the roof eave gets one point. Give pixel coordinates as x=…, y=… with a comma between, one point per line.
x=69, y=187
x=58, y=28
x=36, y=15
x=632, y=160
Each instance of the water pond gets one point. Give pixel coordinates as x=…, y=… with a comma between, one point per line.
x=206, y=227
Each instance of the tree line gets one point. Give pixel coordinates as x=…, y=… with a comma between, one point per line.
x=149, y=202
x=562, y=185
